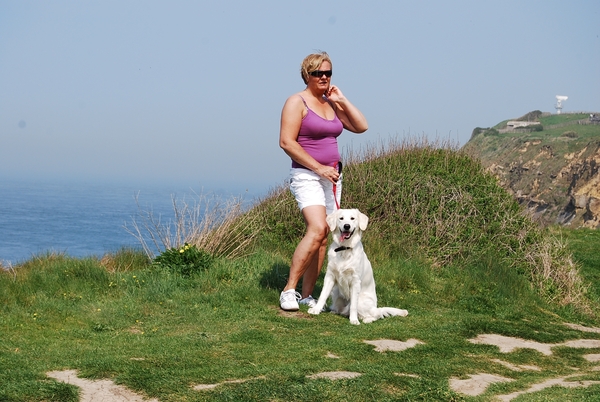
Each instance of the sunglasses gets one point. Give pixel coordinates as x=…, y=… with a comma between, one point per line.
x=320, y=73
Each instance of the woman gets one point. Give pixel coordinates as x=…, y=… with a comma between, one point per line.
x=311, y=121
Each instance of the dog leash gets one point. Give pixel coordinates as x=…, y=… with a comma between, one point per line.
x=338, y=166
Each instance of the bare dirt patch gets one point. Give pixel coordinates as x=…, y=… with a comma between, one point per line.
x=207, y=387
x=98, y=390
x=291, y=314
x=516, y=367
x=476, y=384
x=592, y=358
x=384, y=345
x=508, y=344
x=560, y=382
x=407, y=375
x=583, y=328
x=582, y=343
x=334, y=375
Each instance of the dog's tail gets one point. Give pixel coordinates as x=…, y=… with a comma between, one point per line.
x=382, y=312
x=391, y=311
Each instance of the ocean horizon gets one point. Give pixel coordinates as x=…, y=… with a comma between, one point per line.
x=83, y=219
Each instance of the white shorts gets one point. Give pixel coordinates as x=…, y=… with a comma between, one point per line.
x=311, y=189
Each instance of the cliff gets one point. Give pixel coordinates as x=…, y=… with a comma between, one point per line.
x=551, y=164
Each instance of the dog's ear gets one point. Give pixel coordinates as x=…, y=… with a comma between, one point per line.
x=332, y=220
x=363, y=221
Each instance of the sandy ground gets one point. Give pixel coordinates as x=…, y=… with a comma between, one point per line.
x=98, y=390
x=204, y=387
x=384, y=345
x=475, y=384
x=508, y=344
x=334, y=375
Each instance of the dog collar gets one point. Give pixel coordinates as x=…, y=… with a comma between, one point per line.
x=342, y=248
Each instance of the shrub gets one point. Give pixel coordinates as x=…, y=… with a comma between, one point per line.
x=570, y=134
x=537, y=128
x=491, y=132
x=531, y=116
x=185, y=260
x=476, y=132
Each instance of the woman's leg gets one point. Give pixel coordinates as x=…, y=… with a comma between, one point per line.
x=310, y=252
x=314, y=269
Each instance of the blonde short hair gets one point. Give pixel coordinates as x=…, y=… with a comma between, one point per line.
x=311, y=63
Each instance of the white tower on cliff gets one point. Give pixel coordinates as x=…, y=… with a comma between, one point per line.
x=559, y=99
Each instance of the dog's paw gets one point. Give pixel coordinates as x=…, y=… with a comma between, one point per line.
x=354, y=321
x=403, y=313
x=314, y=310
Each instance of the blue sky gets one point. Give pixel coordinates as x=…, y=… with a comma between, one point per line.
x=191, y=91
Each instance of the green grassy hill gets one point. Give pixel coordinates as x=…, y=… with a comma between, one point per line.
x=447, y=243
x=437, y=205
x=552, y=168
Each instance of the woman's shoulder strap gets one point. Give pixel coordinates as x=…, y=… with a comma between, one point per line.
x=303, y=101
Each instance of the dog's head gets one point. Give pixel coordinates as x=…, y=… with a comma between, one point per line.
x=347, y=225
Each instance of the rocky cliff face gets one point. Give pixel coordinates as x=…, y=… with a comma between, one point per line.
x=554, y=173
x=582, y=173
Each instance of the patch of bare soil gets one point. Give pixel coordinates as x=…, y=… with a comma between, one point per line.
x=516, y=367
x=560, y=381
x=291, y=314
x=508, y=344
x=583, y=328
x=407, y=375
x=384, y=345
x=98, y=390
x=476, y=384
x=592, y=358
x=206, y=387
x=582, y=343
x=334, y=375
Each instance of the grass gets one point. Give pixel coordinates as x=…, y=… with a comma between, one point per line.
x=582, y=244
x=159, y=333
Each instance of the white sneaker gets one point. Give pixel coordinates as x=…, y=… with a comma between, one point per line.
x=288, y=300
x=309, y=301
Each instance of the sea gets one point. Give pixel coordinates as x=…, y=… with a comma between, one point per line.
x=84, y=219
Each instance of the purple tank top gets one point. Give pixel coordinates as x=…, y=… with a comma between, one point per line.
x=318, y=137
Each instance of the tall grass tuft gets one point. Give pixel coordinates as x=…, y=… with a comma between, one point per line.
x=430, y=201
x=221, y=228
x=124, y=260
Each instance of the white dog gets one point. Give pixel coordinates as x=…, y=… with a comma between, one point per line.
x=349, y=277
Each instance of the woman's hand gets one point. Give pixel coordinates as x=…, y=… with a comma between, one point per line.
x=334, y=94
x=329, y=173
x=352, y=118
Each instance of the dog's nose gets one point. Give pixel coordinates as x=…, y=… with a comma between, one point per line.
x=347, y=226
